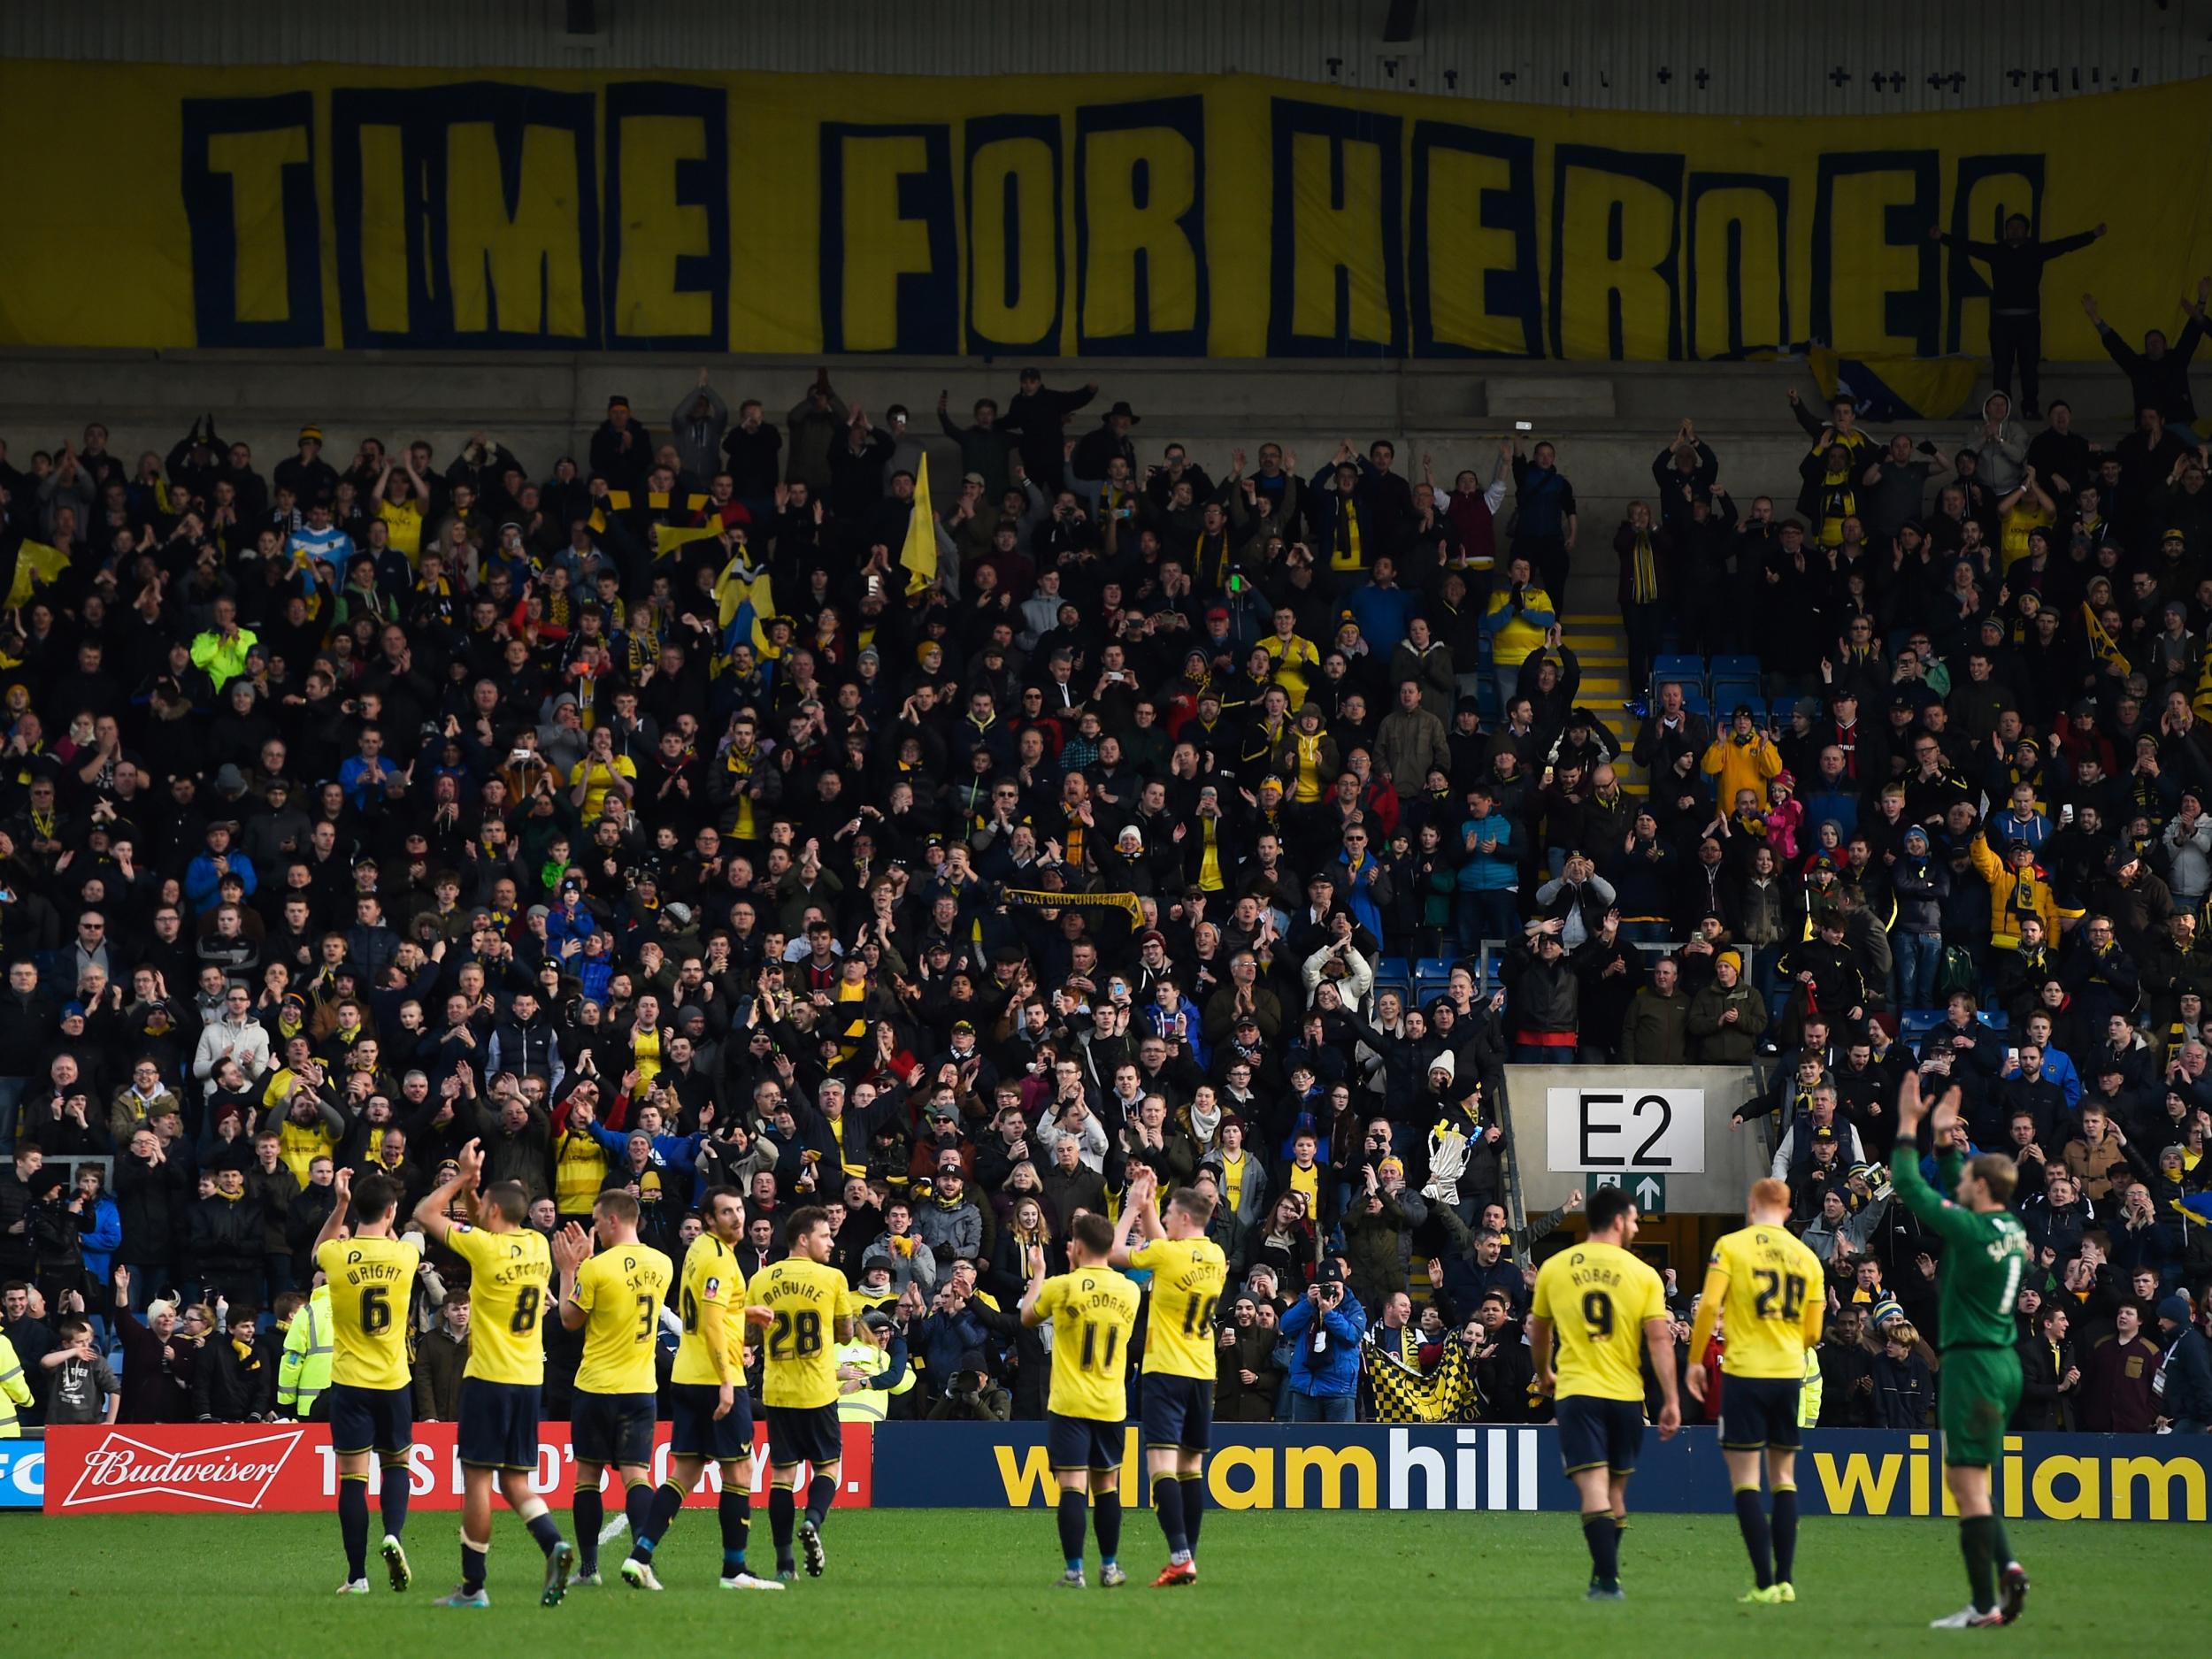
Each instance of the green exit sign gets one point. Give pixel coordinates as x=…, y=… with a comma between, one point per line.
x=1649, y=1191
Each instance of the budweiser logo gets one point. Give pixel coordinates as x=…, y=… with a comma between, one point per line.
x=234, y=1475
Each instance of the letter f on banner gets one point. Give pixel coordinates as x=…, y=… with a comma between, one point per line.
x=889, y=267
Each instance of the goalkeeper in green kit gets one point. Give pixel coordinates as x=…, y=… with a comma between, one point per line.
x=1984, y=1254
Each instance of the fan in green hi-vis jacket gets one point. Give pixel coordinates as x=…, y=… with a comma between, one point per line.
x=1984, y=1254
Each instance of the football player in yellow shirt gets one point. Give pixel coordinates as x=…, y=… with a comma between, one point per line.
x=511, y=1275
x=710, y=1409
x=808, y=1309
x=614, y=1298
x=1769, y=1292
x=1605, y=1307
x=370, y=1273
x=1093, y=1310
x=1188, y=1273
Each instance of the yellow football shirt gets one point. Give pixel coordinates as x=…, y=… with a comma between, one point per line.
x=598, y=777
x=403, y=521
x=1093, y=1311
x=1188, y=1278
x=799, y=1351
x=371, y=1283
x=709, y=1350
x=1293, y=658
x=1772, y=1298
x=510, y=1276
x=1597, y=1297
x=620, y=1291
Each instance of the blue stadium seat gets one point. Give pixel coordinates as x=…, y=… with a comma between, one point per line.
x=1393, y=974
x=1738, y=668
x=1694, y=702
x=1431, y=975
x=1916, y=1023
x=1728, y=692
x=1689, y=670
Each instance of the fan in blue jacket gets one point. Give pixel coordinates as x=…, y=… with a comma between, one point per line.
x=1323, y=1331
x=2187, y=1368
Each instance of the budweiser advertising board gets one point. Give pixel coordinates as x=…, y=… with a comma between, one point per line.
x=190, y=1468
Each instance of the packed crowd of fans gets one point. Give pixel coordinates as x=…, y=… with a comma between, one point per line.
x=695, y=812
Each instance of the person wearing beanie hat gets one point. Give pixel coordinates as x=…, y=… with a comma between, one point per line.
x=2186, y=1369
x=1742, y=757
x=621, y=450
x=1785, y=815
x=1727, y=1017
x=2018, y=888
x=970, y=1395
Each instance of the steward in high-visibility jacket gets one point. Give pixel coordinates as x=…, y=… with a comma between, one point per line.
x=303, y=1373
x=1809, y=1395
x=15, y=1390
x=885, y=1371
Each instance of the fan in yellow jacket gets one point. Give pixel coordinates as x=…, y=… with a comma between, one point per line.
x=1518, y=620
x=2018, y=889
x=1741, y=758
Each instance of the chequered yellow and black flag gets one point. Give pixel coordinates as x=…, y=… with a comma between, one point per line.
x=1403, y=1395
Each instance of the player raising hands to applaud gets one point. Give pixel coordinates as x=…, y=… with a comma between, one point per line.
x=1771, y=1288
x=1605, y=1307
x=1985, y=1253
x=1188, y=1271
x=1093, y=1311
x=614, y=1298
x=510, y=1272
x=808, y=1309
x=710, y=1411
x=371, y=1279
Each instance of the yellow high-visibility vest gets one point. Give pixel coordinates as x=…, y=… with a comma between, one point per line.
x=303, y=1373
x=868, y=1405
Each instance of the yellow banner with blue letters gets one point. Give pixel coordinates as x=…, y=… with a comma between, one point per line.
x=324, y=206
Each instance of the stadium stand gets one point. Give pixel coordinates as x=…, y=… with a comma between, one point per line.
x=417, y=800
x=937, y=790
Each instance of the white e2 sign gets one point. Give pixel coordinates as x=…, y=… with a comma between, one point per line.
x=1658, y=1129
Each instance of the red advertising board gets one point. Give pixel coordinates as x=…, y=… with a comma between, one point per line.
x=190, y=1468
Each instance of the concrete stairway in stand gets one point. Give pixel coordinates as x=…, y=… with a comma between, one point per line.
x=1601, y=645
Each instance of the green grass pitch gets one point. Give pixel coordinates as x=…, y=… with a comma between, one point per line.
x=982, y=1582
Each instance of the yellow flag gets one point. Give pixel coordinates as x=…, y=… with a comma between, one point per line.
x=37, y=563
x=919, y=554
x=668, y=537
